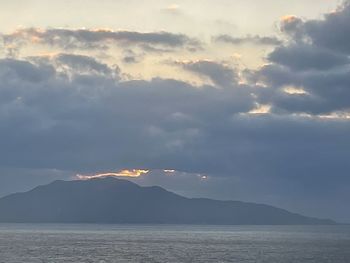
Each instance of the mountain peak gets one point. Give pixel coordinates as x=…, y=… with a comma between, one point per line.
x=114, y=200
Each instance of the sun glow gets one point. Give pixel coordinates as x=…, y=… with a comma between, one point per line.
x=261, y=109
x=134, y=173
x=294, y=90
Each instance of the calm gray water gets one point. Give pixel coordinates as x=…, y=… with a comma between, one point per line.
x=125, y=243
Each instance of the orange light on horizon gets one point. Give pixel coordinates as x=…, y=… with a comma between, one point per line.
x=134, y=173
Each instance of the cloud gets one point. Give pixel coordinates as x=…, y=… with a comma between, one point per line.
x=332, y=32
x=305, y=57
x=281, y=137
x=256, y=40
x=220, y=74
x=292, y=26
x=83, y=64
x=315, y=59
x=88, y=122
x=322, y=93
x=100, y=111
x=130, y=59
x=97, y=38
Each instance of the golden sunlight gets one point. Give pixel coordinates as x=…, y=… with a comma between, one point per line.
x=122, y=173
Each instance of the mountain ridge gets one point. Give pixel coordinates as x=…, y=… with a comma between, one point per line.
x=112, y=200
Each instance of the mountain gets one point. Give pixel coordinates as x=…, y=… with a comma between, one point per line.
x=111, y=200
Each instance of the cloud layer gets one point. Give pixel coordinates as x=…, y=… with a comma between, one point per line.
x=316, y=60
x=72, y=39
x=73, y=111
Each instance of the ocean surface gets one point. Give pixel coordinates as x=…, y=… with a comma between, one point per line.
x=162, y=243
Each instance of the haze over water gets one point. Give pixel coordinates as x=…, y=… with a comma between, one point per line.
x=164, y=243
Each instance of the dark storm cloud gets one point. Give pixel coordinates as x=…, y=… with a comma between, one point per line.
x=324, y=92
x=332, y=32
x=306, y=57
x=54, y=118
x=257, y=40
x=315, y=60
x=99, y=38
x=94, y=121
x=65, y=112
x=97, y=122
x=220, y=74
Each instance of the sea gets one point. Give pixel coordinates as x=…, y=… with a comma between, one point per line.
x=41, y=243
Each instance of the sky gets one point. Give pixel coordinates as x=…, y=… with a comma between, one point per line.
x=233, y=100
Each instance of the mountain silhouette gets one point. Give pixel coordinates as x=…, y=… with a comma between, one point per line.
x=111, y=200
